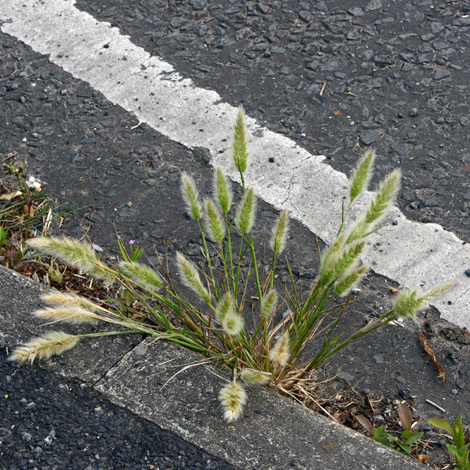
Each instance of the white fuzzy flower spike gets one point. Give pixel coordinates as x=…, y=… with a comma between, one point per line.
x=280, y=353
x=233, y=398
x=190, y=277
x=44, y=347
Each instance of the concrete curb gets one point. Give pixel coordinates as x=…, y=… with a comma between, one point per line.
x=142, y=376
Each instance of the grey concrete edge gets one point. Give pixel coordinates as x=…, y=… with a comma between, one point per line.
x=166, y=384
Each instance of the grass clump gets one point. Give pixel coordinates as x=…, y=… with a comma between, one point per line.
x=207, y=313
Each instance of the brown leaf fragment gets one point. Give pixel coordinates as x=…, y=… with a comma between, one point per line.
x=366, y=424
x=430, y=352
x=28, y=210
x=369, y=403
x=341, y=417
x=9, y=196
x=422, y=458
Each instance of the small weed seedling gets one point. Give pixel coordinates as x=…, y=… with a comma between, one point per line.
x=207, y=310
x=459, y=450
x=24, y=211
x=409, y=437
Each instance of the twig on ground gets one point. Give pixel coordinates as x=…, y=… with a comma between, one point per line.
x=435, y=405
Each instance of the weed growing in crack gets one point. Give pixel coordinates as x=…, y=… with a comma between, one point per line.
x=409, y=437
x=24, y=210
x=208, y=312
x=460, y=450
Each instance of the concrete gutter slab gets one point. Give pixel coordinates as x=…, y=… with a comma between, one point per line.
x=155, y=382
x=20, y=296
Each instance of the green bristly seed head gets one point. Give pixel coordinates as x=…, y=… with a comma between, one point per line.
x=280, y=353
x=246, y=212
x=384, y=198
x=348, y=258
x=346, y=284
x=326, y=276
x=332, y=252
x=233, y=398
x=141, y=274
x=437, y=291
x=328, y=260
x=357, y=230
x=190, y=277
x=225, y=306
x=361, y=176
x=280, y=232
x=408, y=304
x=268, y=303
x=255, y=376
x=233, y=323
x=44, y=347
x=222, y=191
x=75, y=253
x=190, y=196
x=215, y=224
x=240, y=150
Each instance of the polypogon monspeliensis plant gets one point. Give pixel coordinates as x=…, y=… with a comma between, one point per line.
x=204, y=307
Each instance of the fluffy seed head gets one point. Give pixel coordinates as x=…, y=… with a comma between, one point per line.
x=68, y=314
x=225, y=305
x=222, y=191
x=245, y=217
x=69, y=300
x=233, y=398
x=408, y=304
x=437, y=291
x=328, y=260
x=357, y=230
x=190, y=196
x=348, y=258
x=327, y=274
x=240, y=148
x=280, y=231
x=269, y=303
x=344, y=285
x=141, y=274
x=75, y=253
x=190, y=277
x=233, y=323
x=44, y=347
x=255, y=376
x=280, y=353
x=361, y=175
x=215, y=224
x=384, y=198
x=332, y=252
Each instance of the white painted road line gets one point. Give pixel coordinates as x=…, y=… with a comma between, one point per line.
x=414, y=254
